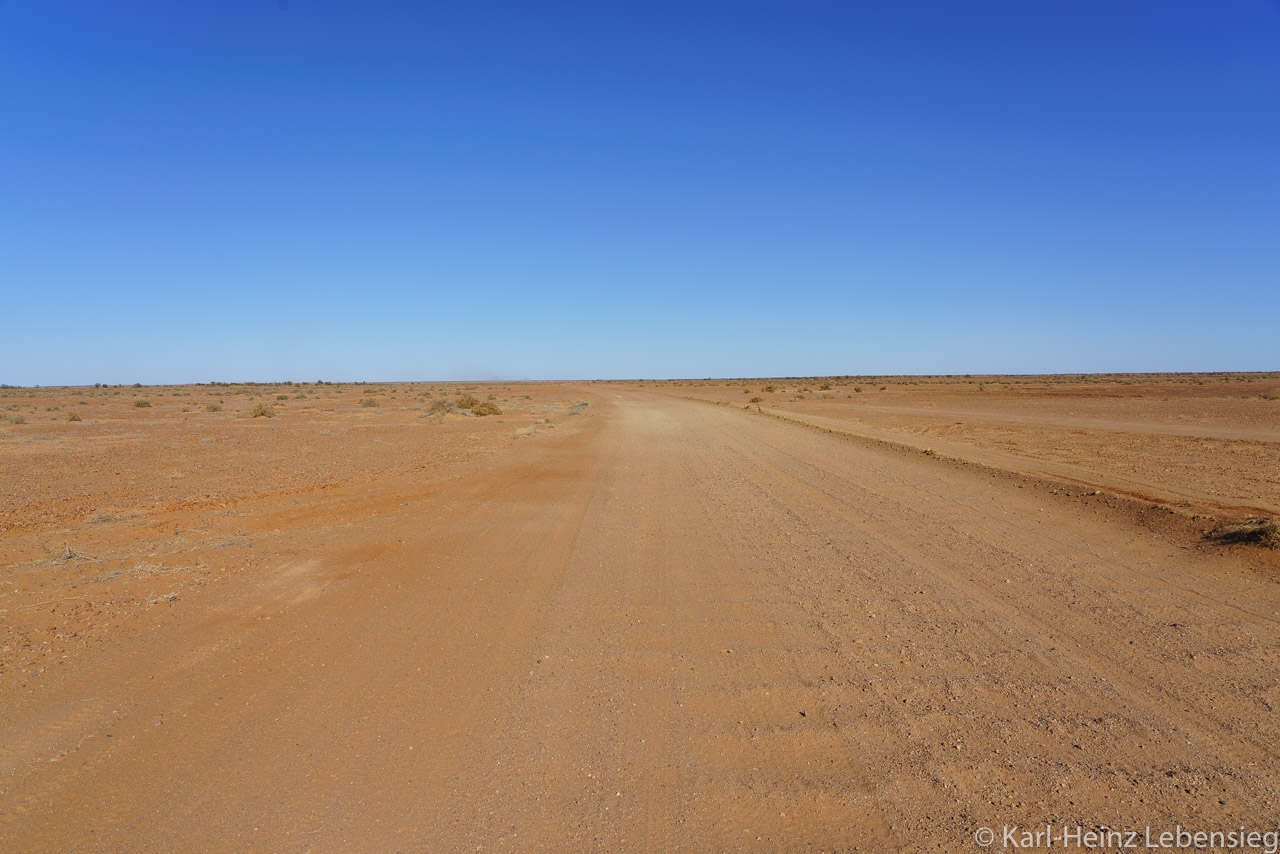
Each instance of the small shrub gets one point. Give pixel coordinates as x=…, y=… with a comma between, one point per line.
x=825, y=387
x=858, y=389
x=757, y=400
x=74, y=416
x=467, y=401
x=486, y=408
x=369, y=401
x=1260, y=532
x=213, y=407
x=282, y=397
x=440, y=405
x=141, y=404
x=19, y=419
x=769, y=389
x=264, y=410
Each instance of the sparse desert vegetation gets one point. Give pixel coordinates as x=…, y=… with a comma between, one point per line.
x=1262, y=532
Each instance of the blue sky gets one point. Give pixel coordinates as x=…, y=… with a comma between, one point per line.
x=241, y=190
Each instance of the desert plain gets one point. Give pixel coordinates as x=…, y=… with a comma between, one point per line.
x=818, y=614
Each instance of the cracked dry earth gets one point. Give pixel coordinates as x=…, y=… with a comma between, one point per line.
x=668, y=626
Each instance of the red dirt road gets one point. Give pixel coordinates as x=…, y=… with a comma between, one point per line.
x=677, y=627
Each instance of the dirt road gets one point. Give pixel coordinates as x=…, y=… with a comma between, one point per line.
x=678, y=627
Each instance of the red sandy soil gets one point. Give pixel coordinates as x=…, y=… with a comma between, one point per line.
x=647, y=623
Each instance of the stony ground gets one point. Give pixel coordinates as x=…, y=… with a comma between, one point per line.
x=633, y=616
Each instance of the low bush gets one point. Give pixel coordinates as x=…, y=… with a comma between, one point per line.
x=1260, y=532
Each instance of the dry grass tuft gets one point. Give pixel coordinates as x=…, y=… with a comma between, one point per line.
x=369, y=401
x=1256, y=531
x=213, y=407
x=264, y=410
x=166, y=598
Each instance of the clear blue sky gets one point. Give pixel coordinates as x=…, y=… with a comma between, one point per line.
x=252, y=189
